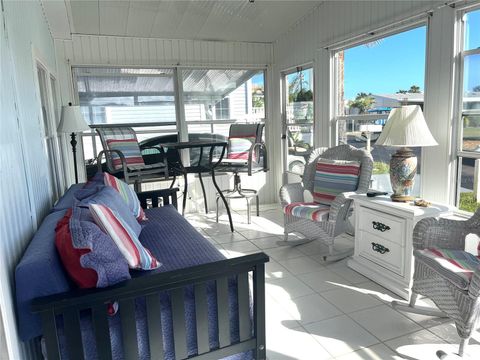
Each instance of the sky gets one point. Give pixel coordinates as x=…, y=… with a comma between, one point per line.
x=396, y=62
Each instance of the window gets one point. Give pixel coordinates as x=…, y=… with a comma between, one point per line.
x=138, y=97
x=126, y=95
x=215, y=98
x=50, y=119
x=372, y=78
x=146, y=99
x=468, y=149
x=298, y=118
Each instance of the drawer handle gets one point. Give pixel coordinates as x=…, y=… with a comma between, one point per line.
x=380, y=226
x=379, y=248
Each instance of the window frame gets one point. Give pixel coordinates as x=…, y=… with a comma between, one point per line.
x=367, y=38
x=284, y=126
x=181, y=124
x=458, y=153
x=50, y=137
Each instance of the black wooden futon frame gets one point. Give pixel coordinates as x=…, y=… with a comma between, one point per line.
x=244, y=269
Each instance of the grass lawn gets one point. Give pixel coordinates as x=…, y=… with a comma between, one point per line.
x=468, y=202
x=380, y=168
x=471, y=132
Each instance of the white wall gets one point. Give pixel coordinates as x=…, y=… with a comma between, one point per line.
x=24, y=174
x=336, y=21
x=124, y=51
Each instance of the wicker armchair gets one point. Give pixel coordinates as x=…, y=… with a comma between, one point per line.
x=333, y=219
x=455, y=290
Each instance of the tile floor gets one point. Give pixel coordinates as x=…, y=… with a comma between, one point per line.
x=317, y=310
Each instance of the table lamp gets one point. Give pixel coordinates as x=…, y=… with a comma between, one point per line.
x=405, y=127
x=72, y=121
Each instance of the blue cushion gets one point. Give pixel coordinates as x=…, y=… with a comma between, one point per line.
x=108, y=196
x=39, y=273
x=67, y=200
x=174, y=241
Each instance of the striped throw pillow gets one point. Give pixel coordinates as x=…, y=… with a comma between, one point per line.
x=333, y=177
x=239, y=147
x=128, y=195
x=137, y=256
x=129, y=148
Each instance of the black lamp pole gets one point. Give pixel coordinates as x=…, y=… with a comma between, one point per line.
x=73, y=142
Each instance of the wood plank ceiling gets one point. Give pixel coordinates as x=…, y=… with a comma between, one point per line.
x=229, y=20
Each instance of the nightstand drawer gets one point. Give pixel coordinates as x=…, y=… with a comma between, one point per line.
x=383, y=225
x=382, y=252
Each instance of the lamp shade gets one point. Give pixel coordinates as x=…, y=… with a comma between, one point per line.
x=72, y=120
x=406, y=127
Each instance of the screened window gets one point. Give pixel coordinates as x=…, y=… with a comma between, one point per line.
x=372, y=79
x=215, y=98
x=126, y=95
x=298, y=118
x=468, y=191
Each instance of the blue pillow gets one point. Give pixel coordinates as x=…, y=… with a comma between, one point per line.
x=68, y=198
x=104, y=257
x=108, y=196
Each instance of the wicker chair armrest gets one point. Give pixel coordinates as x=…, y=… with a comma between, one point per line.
x=341, y=205
x=291, y=193
x=441, y=233
x=474, y=288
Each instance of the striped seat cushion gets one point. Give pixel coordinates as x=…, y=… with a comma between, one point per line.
x=130, y=149
x=239, y=147
x=456, y=266
x=137, y=256
x=307, y=210
x=333, y=177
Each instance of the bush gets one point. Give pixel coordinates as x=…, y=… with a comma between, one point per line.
x=468, y=202
x=380, y=168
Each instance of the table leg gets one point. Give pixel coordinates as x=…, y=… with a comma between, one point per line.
x=204, y=194
x=223, y=199
x=185, y=192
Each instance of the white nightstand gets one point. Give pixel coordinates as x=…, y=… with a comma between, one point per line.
x=383, y=240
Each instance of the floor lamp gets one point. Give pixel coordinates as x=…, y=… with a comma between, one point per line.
x=72, y=122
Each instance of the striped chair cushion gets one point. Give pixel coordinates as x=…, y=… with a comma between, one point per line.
x=333, y=177
x=128, y=195
x=239, y=147
x=307, y=210
x=456, y=266
x=137, y=256
x=130, y=149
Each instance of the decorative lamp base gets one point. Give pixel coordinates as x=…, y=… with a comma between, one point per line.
x=403, y=168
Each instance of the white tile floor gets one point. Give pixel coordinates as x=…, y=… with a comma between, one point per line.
x=317, y=310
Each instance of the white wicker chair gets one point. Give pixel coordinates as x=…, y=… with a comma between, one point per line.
x=335, y=222
x=458, y=301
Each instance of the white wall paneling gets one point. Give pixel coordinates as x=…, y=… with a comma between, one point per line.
x=24, y=174
x=125, y=51
x=437, y=161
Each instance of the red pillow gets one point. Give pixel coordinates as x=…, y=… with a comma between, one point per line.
x=70, y=256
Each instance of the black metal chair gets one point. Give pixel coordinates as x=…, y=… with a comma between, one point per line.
x=246, y=154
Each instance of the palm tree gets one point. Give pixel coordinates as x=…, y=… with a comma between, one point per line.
x=414, y=89
x=362, y=102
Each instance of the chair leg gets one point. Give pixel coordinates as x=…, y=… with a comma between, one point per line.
x=442, y=355
x=463, y=346
x=422, y=310
x=204, y=193
x=216, y=202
